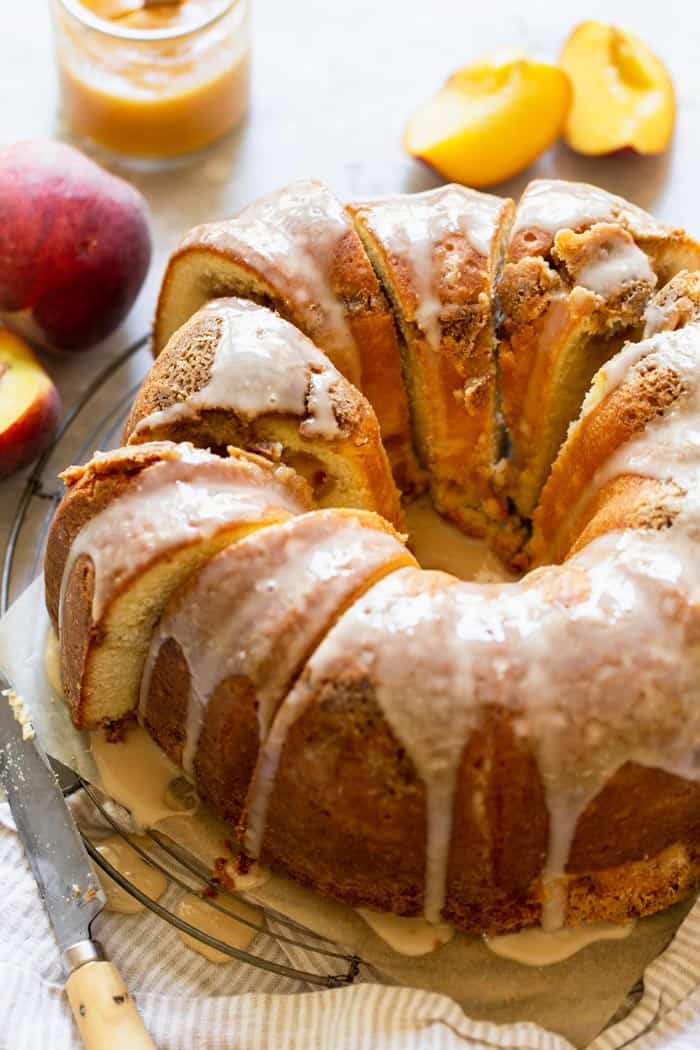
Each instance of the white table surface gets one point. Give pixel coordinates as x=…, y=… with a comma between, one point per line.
x=333, y=84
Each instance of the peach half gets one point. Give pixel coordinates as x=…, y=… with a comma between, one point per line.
x=623, y=93
x=29, y=404
x=491, y=120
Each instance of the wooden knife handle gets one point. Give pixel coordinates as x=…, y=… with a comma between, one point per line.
x=104, y=1011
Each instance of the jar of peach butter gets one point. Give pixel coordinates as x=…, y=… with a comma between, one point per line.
x=152, y=81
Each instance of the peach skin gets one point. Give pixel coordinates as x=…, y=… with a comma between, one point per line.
x=491, y=119
x=29, y=404
x=74, y=243
x=623, y=95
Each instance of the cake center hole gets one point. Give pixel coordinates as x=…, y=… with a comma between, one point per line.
x=438, y=544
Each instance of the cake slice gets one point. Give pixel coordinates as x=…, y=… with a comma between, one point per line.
x=297, y=252
x=396, y=763
x=238, y=374
x=579, y=271
x=132, y=526
x=677, y=304
x=437, y=255
x=235, y=636
x=605, y=477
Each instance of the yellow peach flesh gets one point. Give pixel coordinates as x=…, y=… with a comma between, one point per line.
x=22, y=379
x=623, y=93
x=29, y=404
x=490, y=120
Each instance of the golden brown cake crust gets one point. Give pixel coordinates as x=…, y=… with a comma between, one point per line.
x=575, y=285
x=90, y=488
x=331, y=425
x=341, y=757
x=562, y=511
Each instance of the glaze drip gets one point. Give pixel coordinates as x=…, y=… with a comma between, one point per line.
x=439, y=639
x=554, y=204
x=411, y=226
x=171, y=503
x=262, y=365
x=257, y=609
x=296, y=235
x=618, y=264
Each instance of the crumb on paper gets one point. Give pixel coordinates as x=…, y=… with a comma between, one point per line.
x=16, y=702
x=90, y=894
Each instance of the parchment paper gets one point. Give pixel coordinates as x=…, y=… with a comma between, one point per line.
x=575, y=998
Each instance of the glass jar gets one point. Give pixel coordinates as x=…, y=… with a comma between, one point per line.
x=158, y=82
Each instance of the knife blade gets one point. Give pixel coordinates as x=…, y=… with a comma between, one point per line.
x=62, y=868
x=104, y=1012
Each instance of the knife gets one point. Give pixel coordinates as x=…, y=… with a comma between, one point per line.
x=104, y=1012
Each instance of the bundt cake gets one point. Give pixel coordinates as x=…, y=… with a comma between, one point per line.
x=297, y=252
x=495, y=755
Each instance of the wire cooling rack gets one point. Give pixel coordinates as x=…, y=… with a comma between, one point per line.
x=95, y=422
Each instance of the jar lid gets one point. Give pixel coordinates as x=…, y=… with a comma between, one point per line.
x=114, y=29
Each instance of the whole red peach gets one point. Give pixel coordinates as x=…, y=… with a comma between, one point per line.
x=74, y=242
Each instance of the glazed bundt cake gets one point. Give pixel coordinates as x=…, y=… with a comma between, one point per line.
x=297, y=252
x=238, y=374
x=495, y=755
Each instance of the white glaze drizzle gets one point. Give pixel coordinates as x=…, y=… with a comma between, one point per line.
x=137, y=774
x=554, y=204
x=321, y=420
x=535, y=947
x=617, y=264
x=411, y=225
x=402, y=633
x=295, y=234
x=256, y=610
x=632, y=599
x=118, y=852
x=224, y=926
x=176, y=501
x=262, y=365
x=669, y=447
x=656, y=316
x=407, y=936
x=612, y=374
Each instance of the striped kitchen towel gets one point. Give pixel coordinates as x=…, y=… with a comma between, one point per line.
x=191, y=1004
